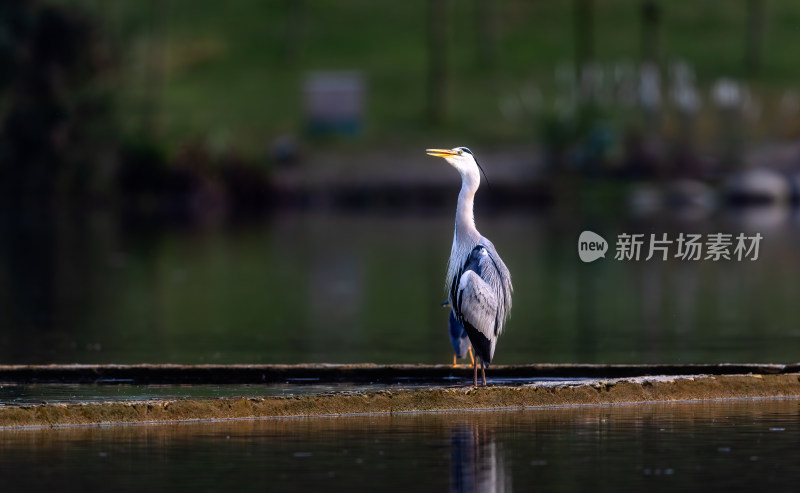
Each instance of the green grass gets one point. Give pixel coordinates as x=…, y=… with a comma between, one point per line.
x=231, y=73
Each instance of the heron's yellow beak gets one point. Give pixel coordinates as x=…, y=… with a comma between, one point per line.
x=440, y=152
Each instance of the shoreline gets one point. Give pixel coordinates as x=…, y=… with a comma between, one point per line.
x=433, y=398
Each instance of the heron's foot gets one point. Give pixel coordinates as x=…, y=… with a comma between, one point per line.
x=463, y=365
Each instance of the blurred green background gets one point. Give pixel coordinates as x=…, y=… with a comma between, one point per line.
x=246, y=181
x=232, y=74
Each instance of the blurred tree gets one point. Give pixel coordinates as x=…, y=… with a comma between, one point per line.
x=584, y=33
x=295, y=25
x=438, y=30
x=54, y=116
x=156, y=55
x=754, y=41
x=486, y=23
x=651, y=19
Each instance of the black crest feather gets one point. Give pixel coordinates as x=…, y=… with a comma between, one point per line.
x=476, y=162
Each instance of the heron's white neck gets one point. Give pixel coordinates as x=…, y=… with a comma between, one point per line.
x=465, y=219
x=466, y=236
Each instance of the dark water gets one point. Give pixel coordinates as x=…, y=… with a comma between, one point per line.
x=318, y=287
x=709, y=446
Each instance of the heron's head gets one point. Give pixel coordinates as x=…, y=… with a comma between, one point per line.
x=461, y=159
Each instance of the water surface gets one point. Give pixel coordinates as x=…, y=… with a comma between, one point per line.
x=303, y=287
x=705, y=446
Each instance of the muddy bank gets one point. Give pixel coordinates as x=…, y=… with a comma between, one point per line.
x=600, y=391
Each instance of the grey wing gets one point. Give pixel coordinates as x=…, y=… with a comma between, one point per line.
x=477, y=304
x=496, y=275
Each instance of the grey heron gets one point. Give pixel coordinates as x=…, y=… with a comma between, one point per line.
x=478, y=282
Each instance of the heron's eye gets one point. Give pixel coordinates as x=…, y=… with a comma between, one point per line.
x=460, y=152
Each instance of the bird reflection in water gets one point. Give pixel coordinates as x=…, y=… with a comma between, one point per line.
x=477, y=460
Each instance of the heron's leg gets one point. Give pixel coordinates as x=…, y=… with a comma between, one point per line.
x=475, y=374
x=483, y=373
x=470, y=355
x=454, y=360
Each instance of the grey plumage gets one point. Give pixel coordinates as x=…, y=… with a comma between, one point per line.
x=478, y=282
x=481, y=295
x=458, y=336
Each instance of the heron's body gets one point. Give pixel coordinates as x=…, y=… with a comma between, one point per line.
x=478, y=282
x=479, y=298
